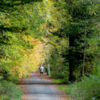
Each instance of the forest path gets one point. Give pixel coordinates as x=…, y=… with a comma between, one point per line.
x=35, y=88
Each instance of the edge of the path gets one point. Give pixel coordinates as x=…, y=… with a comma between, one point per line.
x=62, y=93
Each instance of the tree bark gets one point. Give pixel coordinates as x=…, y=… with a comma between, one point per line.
x=71, y=59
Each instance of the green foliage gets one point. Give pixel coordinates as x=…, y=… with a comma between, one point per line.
x=86, y=89
x=71, y=28
x=66, y=88
x=64, y=80
x=9, y=91
x=57, y=80
x=82, y=27
x=13, y=47
x=58, y=65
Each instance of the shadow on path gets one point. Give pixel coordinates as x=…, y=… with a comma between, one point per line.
x=35, y=88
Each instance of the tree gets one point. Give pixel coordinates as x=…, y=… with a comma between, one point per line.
x=82, y=26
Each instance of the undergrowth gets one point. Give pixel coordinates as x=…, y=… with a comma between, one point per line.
x=88, y=89
x=9, y=91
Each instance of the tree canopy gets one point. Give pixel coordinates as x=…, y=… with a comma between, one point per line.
x=68, y=30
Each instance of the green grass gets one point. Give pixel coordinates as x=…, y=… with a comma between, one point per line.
x=66, y=88
x=60, y=80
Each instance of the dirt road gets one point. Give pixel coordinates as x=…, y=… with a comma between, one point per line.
x=35, y=88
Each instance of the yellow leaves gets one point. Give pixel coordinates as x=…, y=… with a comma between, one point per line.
x=37, y=28
x=29, y=11
x=30, y=60
x=76, y=73
x=53, y=29
x=34, y=42
x=5, y=59
x=20, y=71
x=36, y=56
x=64, y=2
x=1, y=16
x=44, y=25
x=17, y=70
x=8, y=21
x=26, y=38
x=2, y=60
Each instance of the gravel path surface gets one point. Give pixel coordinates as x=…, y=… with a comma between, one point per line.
x=35, y=88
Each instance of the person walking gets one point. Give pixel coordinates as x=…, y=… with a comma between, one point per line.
x=41, y=68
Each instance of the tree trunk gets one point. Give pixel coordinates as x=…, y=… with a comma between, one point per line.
x=71, y=59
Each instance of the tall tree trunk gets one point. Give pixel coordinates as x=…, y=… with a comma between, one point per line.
x=84, y=53
x=71, y=59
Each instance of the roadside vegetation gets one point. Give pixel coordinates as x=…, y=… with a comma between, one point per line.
x=87, y=89
x=9, y=90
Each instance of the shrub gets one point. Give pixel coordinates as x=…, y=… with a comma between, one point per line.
x=87, y=89
x=9, y=91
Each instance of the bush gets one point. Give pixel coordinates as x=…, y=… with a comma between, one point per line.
x=88, y=89
x=9, y=91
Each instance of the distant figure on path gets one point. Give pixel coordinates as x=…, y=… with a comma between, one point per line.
x=41, y=68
